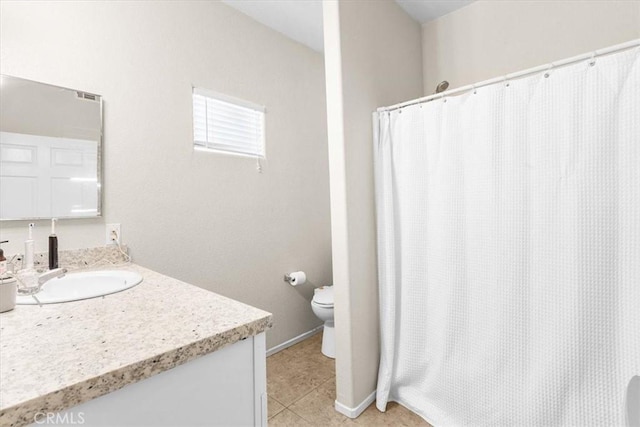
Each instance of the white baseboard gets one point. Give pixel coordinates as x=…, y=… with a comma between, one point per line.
x=294, y=340
x=354, y=412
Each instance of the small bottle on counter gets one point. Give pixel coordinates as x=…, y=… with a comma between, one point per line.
x=53, y=246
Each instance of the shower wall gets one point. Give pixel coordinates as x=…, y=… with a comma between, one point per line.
x=491, y=38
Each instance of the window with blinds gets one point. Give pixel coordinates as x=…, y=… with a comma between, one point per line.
x=225, y=124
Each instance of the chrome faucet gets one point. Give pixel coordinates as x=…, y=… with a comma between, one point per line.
x=51, y=274
x=30, y=282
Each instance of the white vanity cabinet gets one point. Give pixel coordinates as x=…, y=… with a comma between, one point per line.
x=163, y=353
x=223, y=388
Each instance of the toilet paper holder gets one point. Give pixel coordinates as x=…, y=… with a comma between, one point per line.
x=296, y=278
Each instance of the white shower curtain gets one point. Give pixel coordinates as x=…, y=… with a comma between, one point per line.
x=509, y=249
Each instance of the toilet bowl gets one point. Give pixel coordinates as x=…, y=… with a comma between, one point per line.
x=322, y=306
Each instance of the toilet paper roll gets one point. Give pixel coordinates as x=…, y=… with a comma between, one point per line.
x=297, y=278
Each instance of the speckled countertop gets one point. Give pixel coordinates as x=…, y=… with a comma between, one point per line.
x=59, y=355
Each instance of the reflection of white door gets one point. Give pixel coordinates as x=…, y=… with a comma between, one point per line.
x=44, y=177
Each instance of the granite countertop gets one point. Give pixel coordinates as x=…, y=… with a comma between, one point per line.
x=55, y=356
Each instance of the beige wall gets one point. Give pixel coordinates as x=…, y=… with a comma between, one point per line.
x=373, y=58
x=492, y=38
x=208, y=219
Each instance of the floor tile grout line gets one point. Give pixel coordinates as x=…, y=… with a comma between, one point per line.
x=311, y=391
x=344, y=421
x=276, y=400
x=321, y=384
x=303, y=395
x=311, y=423
x=281, y=410
x=291, y=353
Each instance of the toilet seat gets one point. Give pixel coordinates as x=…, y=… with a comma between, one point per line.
x=323, y=296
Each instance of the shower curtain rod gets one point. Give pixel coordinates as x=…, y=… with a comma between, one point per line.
x=520, y=74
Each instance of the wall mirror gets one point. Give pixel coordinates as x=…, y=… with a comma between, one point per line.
x=50, y=151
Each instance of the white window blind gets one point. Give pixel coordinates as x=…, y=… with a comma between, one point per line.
x=223, y=123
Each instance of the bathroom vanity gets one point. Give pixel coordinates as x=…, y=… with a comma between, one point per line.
x=161, y=353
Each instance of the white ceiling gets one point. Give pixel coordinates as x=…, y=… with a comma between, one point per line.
x=428, y=10
x=301, y=20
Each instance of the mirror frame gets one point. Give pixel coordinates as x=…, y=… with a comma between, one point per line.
x=99, y=166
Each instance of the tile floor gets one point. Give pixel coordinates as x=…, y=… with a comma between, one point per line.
x=301, y=386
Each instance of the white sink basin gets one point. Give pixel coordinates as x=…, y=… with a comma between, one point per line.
x=84, y=285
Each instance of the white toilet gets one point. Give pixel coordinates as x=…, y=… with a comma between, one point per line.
x=322, y=305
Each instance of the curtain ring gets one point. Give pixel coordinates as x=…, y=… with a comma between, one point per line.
x=548, y=73
x=592, y=61
x=505, y=80
x=475, y=91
